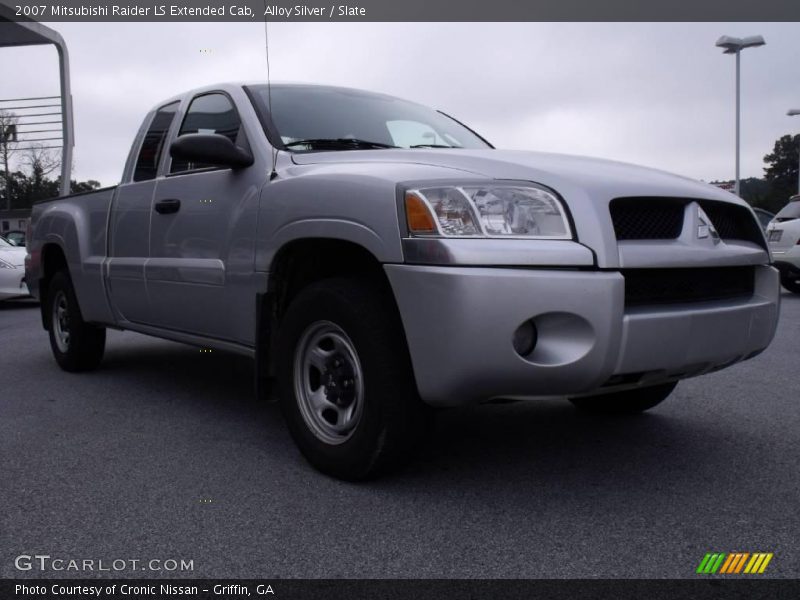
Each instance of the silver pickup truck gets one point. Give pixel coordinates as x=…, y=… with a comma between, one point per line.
x=377, y=258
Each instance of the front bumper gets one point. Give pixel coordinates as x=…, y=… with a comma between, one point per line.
x=12, y=284
x=787, y=260
x=460, y=321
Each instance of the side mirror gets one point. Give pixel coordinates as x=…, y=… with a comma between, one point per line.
x=211, y=149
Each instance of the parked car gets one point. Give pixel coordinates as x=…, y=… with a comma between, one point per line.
x=764, y=217
x=14, y=237
x=12, y=271
x=784, y=242
x=377, y=257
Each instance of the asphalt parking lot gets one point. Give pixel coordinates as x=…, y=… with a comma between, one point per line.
x=164, y=453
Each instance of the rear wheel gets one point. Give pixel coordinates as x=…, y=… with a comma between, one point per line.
x=627, y=402
x=76, y=344
x=791, y=282
x=346, y=385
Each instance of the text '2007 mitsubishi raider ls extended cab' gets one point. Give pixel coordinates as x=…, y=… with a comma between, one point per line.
x=377, y=258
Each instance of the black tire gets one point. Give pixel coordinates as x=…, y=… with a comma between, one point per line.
x=791, y=283
x=354, y=322
x=83, y=348
x=629, y=402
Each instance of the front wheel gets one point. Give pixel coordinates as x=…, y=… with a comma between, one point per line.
x=76, y=344
x=346, y=386
x=626, y=402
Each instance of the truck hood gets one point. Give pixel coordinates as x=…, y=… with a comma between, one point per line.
x=600, y=178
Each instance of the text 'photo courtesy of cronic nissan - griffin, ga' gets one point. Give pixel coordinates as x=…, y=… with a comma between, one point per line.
x=379, y=259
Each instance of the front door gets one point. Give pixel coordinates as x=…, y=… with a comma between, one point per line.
x=202, y=234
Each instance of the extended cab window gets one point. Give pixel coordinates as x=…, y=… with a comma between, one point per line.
x=153, y=143
x=209, y=113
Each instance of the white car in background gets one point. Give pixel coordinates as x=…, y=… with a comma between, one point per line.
x=764, y=217
x=12, y=271
x=783, y=235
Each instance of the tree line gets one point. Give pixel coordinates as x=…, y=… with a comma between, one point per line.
x=20, y=190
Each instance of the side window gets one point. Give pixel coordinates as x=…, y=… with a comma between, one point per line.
x=209, y=113
x=153, y=143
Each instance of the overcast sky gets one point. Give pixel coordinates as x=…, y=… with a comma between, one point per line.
x=654, y=94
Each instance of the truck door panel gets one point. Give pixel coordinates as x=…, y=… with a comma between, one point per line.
x=199, y=251
x=129, y=229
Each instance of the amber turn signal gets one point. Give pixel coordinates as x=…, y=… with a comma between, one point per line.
x=418, y=215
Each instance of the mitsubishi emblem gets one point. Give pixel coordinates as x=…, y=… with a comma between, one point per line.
x=705, y=227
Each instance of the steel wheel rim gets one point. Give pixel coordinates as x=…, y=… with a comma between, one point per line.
x=328, y=382
x=60, y=321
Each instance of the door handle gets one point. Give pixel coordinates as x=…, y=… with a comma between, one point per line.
x=166, y=207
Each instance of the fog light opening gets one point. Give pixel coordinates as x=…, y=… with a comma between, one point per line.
x=525, y=338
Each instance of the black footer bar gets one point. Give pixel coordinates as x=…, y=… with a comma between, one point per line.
x=391, y=589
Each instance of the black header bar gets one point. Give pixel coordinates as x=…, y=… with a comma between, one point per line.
x=401, y=10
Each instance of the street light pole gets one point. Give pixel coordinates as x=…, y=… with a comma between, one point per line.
x=733, y=45
x=738, y=117
x=793, y=112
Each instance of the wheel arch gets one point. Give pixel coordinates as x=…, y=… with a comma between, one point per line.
x=297, y=264
x=53, y=260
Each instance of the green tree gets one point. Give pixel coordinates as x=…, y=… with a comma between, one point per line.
x=781, y=171
x=756, y=192
x=8, y=143
x=24, y=190
x=78, y=187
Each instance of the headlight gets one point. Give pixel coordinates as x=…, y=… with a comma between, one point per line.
x=486, y=210
x=5, y=265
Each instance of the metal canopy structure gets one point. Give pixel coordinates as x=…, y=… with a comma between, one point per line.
x=48, y=110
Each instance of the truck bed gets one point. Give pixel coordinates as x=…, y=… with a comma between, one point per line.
x=78, y=224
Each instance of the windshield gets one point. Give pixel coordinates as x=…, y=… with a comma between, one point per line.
x=4, y=243
x=311, y=117
x=789, y=212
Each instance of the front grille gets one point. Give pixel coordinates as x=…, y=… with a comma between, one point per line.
x=671, y=286
x=733, y=222
x=647, y=218
x=662, y=219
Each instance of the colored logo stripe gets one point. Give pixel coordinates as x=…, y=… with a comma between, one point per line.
x=727, y=564
x=710, y=563
x=740, y=564
x=734, y=563
x=758, y=563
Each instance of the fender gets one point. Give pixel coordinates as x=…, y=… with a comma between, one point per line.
x=78, y=228
x=338, y=229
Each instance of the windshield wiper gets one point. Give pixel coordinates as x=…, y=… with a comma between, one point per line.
x=345, y=143
x=433, y=146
